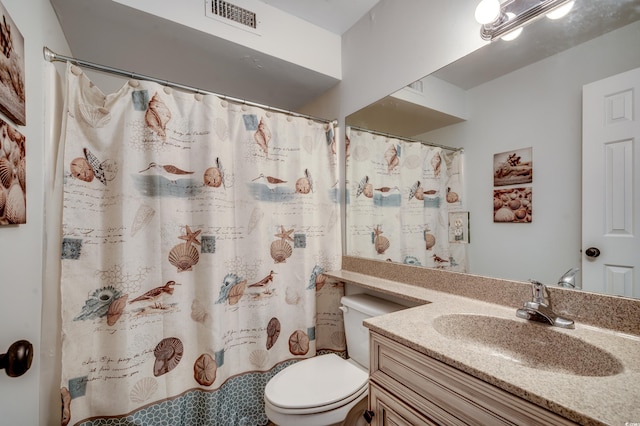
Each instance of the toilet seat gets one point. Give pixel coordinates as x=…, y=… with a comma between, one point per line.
x=317, y=384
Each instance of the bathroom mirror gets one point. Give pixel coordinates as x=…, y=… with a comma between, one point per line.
x=508, y=96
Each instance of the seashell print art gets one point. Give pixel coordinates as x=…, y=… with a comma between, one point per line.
x=95, y=116
x=22, y=173
x=168, y=354
x=214, y=176
x=157, y=116
x=365, y=187
x=80, y=169
x=317, y=277
x=452, y=197
x=199, y=312
x=143, y=390
x=273, y=331
x=520, y=213
x=6, y=172
x=381, y=243
x=292, y=296
x=304, y=185
x=65, y=397
x=236, y=292
x=392, y=157
x=321, y=279
x=416, y=191
x=143, y=216
x=232, y=289
x=205, y=369
x=299, y=343
x=280, y=251
x=258, y=358
x=105, y=170
x=256, y=216
x=110, y=169
x=184, y=256
x=97, y=305
x=3, y=201
x=262, y=137
x=429, y=239
x=116, y=308
x=15, y=210
x=436, y=160
x=504, y=214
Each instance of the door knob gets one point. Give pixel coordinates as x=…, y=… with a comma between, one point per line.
x=18, y=358
x=592, y=252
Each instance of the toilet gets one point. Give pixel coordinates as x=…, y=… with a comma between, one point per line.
x=327, y=389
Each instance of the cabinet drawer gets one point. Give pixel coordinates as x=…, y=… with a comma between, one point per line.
x=437, y=389
x=390, y=411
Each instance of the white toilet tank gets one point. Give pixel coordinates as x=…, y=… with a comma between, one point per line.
x=357, y=308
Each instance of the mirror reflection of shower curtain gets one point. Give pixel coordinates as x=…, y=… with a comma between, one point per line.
x=399, y=196
x=195, y=236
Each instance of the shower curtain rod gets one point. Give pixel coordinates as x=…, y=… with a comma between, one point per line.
x=51, y=56
x=389, y=135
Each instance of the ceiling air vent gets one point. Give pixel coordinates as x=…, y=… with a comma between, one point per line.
x=232, y=12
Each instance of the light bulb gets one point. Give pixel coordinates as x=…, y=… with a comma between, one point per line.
x=487, y=11
x=561, y=11
x=511, y=35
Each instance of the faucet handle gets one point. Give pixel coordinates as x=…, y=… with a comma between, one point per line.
x=538, y=290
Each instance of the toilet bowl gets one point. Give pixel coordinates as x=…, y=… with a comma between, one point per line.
x=327, y=389
x=319, y=391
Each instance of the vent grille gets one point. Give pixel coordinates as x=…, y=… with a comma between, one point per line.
x=235, y=13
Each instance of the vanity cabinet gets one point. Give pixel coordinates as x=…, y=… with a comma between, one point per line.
x=409, y=388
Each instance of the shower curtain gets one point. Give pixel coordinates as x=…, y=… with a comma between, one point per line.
x=400, y=195
x=195, y=236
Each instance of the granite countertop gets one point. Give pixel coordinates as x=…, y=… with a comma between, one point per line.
x=609, y=399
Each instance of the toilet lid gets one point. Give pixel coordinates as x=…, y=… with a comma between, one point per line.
x=315, y=382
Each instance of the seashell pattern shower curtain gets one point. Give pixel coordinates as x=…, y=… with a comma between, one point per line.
x=399, y=196
x=195, y=236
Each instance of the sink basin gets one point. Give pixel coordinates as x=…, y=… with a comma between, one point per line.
x=530, y=344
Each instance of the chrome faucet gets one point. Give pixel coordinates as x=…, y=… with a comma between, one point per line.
x=538, y=309
x=568, y=279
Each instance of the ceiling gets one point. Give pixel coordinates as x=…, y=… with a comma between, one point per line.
x=108, y=33
x=336, y=16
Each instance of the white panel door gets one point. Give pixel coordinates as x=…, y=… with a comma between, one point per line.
x=611, y=185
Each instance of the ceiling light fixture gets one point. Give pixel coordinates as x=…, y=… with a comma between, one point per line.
x=515, y=14
x=513, y=34
x=488, y=11
x=562, y=11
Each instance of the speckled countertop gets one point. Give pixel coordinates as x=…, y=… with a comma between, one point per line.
x=612, y=399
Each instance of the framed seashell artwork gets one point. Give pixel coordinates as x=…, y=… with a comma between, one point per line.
x=513, y=167
x=13, y=204
x=12, y=102
x=512, y=205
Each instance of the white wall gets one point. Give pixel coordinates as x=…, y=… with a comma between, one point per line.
x=278, y=34
x=539, y=106
x=395, y=44
x=21, y=262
